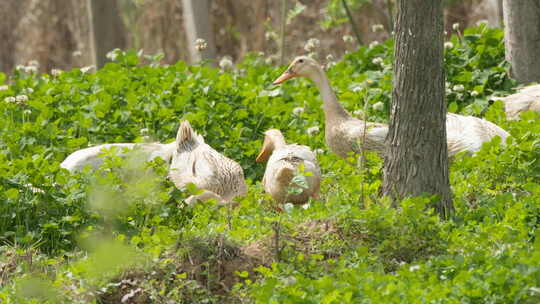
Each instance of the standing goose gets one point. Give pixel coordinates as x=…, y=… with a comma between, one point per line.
x=283, y=162
x=196, y=162
x=345, y=134
x=92, y=156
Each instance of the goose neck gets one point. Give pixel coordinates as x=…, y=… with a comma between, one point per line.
x=331, y=106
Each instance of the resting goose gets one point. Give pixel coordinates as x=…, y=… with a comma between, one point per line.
x=526, y=99
x=345, y=134
x=283, y=163
x=196, y=162
x=92, y=156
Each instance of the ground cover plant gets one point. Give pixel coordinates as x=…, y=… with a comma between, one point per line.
x=123, y=234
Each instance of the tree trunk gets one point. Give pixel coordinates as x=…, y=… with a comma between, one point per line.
x=107, y=31
x=522, y=38
x=500, y=12
x=198, y=26
x=416, y=161
x=10, y=13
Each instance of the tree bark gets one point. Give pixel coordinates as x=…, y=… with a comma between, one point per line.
x=198, y=26
x=522, y=38
x=107, y=31
x=11, y=13
x=416, y=159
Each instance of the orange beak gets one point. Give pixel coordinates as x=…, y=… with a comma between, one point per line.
x=285, y=76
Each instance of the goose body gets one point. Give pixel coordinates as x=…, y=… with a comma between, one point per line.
x=196, y=162
x=345, y=134
x=92, y=156
x=468, y=133
x=527, y=99
x=283, y=164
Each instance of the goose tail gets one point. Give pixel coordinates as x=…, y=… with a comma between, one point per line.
x=187, y=139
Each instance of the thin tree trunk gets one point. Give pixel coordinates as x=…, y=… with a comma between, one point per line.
x=416, y=161
x=522, y=38
x=500, y=15
x=107, y=30
x=198, y=26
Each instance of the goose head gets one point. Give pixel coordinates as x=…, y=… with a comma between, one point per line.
x=272, y=139
x=302, y=66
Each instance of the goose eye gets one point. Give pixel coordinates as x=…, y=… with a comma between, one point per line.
x=301, y=61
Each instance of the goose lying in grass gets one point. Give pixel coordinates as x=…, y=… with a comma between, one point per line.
x=92, y=156
x=345, y=134
x=283, y=163
x=526, y=99
x=196, y=162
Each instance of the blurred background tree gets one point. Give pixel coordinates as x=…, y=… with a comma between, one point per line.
x=56, y=33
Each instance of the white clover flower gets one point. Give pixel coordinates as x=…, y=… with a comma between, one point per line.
x=455, y=26
x=378, y=106
x=312, y=131
x=377, y=60
x=329, y=65
x=146, y=138
x=330, y=57
x=34, y=63
x=319, y=151
x=414, y=268
x=270, y=59
x=377, y=27
x=448, y=45
x=56, y=72
x=21, y=98
x=373, y=44
x=144, y=131
x=112, y=55
x=4, y=88
x=77, y=54
x=297, y=111
x=28, y=90
x=200, y=44
x=312, y=44
x=474, y=93
x=10, y=99
x=271, y=35
x=288, y=207
x=305, y=206
x=445, y=33
x=86, y=69
x=448, y=91
x=481, y=22
x=357, y=88
x=27, y=112
x=20, y=67
x=226, y=63
x=348, y=38
x=458, y=88
x=31, y=69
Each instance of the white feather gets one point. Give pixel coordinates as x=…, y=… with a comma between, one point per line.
x=93, y=157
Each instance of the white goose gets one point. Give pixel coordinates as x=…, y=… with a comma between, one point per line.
x=196, y=162
x=526, y=99
x=345, y=134
x=92, y=156
x=283, y=163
